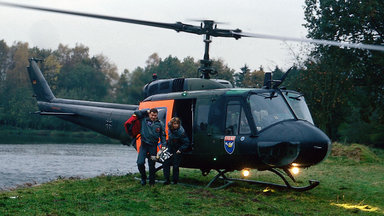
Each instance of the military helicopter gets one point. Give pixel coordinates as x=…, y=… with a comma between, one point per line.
x=268, y=129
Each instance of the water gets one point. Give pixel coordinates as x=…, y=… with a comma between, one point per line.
x=38, y=163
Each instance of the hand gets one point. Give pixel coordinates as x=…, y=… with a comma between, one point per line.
x=178, y=152
x=163, y=148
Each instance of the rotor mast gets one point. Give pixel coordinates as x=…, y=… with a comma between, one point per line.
x=206, y=64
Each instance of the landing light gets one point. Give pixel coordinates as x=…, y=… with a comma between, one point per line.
x=295, y=170
x=245, y=172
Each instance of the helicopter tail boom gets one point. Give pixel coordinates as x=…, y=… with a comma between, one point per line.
x=105, y=118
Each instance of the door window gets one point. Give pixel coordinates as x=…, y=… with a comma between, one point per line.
x=202, y=117
x=236, y=121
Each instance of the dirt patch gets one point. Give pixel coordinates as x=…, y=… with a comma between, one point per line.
x=354, y=152
x=202, y=193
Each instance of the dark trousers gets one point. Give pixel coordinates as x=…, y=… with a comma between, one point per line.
x=146, y=151
x=174, y=161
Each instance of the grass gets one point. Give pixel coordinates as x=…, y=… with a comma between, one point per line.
x=351, y=183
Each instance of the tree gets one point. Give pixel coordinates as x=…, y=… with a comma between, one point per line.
x=277, y=73
x=239, y=77
x=189, y=68
x=325, y=87
x=223, y=71
x=170, y=67
x=110, y=70
x=51, y=69
x=15, y=75
x=16, y=97
x=122, y=88
x=138, y=79
x=255, y=79
x=351, y=21
x=4, y=61
x=153, y=60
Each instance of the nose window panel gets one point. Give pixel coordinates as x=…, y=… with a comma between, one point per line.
x=297, y=102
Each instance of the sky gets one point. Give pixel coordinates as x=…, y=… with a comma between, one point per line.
x=129, y=46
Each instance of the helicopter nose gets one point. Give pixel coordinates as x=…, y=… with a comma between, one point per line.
x=292, y=142
x=314, y=147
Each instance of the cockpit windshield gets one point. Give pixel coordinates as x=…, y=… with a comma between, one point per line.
x=268, y=109
x=297, y=102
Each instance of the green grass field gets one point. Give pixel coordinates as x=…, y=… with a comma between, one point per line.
x=351, y=183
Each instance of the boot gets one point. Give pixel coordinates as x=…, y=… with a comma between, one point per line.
x=143, y=174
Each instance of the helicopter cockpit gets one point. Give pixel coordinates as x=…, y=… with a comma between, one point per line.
x=267, y=108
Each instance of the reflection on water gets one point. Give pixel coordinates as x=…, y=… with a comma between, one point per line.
x=38, y=163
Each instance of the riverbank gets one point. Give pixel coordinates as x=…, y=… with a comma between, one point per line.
x=351, y=183
x=30, y=136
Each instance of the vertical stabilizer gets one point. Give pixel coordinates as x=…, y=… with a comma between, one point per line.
x=39, y=84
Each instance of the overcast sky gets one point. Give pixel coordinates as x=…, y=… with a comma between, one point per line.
x=129, y=45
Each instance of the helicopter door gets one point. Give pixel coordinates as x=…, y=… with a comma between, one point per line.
x=236, y=126
x=183, y=109
x=203, y=137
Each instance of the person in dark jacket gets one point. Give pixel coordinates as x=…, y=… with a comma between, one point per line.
x=152, y=130
x=178, y=143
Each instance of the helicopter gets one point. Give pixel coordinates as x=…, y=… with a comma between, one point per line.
x=268, y=129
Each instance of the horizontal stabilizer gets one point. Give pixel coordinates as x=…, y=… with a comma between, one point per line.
x=55, y=113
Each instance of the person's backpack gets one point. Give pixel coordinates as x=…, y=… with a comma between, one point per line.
x=132, y=126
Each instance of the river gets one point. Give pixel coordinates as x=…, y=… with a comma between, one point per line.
x=22, y=164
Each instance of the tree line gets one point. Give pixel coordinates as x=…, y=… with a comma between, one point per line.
x=344, y=88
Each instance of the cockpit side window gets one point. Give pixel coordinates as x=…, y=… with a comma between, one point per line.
x=244, y=126
x=232, y=119
x=236, y=121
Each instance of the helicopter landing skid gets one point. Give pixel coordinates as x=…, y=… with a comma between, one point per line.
x=229, y=181
x=221, y=175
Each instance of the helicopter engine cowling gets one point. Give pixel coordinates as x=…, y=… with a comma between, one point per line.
x=163, y=86
x=297, y=141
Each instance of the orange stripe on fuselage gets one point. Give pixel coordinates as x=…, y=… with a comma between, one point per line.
x=157, y=104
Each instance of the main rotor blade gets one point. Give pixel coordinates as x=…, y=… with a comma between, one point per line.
x=215, y=32
x=175, y=26
x=316, y=41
